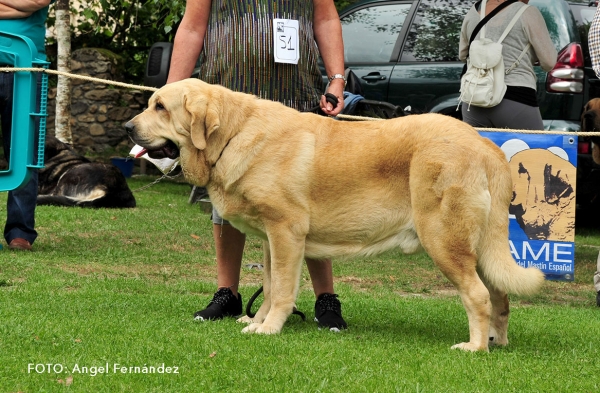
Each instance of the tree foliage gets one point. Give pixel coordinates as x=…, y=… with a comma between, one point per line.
x=129, y=27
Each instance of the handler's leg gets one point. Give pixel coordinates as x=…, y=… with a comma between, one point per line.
x=229, y=245
x=328, y=309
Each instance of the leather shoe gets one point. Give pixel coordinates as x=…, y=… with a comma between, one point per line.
x=19, y=244
x=598, y=299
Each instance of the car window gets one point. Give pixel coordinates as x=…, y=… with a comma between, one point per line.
x=370, y=33
x=559, y=21
x=435, y=32
x=584, y=14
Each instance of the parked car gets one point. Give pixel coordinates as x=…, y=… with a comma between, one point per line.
x=406, y=52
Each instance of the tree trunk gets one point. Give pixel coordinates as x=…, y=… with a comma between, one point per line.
x=63, y=90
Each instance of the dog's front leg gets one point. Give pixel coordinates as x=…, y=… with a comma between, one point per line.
x=262, y=312
x=287, y=253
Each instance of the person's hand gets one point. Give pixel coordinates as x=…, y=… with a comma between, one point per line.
x=336, y=87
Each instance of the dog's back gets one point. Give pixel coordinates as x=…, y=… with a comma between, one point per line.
x=415, y=180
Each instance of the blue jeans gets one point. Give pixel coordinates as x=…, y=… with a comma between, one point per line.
x=20, y=220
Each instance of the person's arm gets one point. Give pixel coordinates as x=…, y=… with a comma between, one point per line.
x=189, y=39
x=463, y=45
x=328, y=35
x=15, y=9
x=540, y=38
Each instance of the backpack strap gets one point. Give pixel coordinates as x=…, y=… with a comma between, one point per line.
x=508, y=28
x=482, y=22
x=489, y=16
x=512, y=22
x=516, y=63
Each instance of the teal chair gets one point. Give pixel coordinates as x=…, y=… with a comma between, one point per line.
x=22, y=51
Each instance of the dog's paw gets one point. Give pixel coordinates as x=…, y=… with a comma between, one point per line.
x=251, y=328
x=469, y=347
x=266, y=329
x=244, y=319
x=260, y=328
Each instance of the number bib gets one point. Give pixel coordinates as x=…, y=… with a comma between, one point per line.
x=286, y=41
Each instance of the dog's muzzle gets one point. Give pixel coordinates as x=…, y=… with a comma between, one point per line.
x=129, y=128
x=168, y=150
x=588, y=121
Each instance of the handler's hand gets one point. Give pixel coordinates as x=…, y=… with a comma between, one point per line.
x=336, y=87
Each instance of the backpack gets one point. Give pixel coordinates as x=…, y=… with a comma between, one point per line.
x=483, y=83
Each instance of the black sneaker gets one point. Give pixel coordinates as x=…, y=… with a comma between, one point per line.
x=328, y=312
x=223, y=304
x=598, y=299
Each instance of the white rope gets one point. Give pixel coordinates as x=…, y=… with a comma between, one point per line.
x=75, y=76
x=341, y=117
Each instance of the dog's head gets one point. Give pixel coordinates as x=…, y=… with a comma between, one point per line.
x=590, y=121
x=178, y=122
x=590, y=118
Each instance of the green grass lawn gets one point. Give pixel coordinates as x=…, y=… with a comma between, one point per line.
x=106, y=291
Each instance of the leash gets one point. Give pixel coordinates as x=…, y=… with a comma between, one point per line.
x=332, y=99
x=250, y=314
x=165, y=176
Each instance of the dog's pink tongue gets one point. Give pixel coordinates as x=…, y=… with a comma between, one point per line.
x=141, y=153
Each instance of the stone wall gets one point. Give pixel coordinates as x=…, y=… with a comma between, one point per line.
x=98, y=110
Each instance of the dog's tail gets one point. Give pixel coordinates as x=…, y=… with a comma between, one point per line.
x=500, y=270
x=496, y=262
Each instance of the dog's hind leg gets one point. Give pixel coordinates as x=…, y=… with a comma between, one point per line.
x=459, y=268
x=449, y=226
x=287, y=252
x=498, y=334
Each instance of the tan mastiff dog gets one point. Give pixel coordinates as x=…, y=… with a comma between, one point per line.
x=590, y=121
x=318, y=187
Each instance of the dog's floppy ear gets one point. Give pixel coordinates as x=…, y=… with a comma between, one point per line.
x=204, y=115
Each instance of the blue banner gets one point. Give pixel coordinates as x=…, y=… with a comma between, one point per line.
x=542, y=210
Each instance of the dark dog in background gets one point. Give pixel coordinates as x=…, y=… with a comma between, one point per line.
x=590, y=121
x=69, y=179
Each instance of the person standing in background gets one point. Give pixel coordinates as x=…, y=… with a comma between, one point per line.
x=26, y=18
x=594, y=45
x=519, y=107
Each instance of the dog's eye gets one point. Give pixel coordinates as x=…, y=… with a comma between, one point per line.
x=159, y=106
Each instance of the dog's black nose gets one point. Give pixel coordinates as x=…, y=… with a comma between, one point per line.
x=129, y=127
